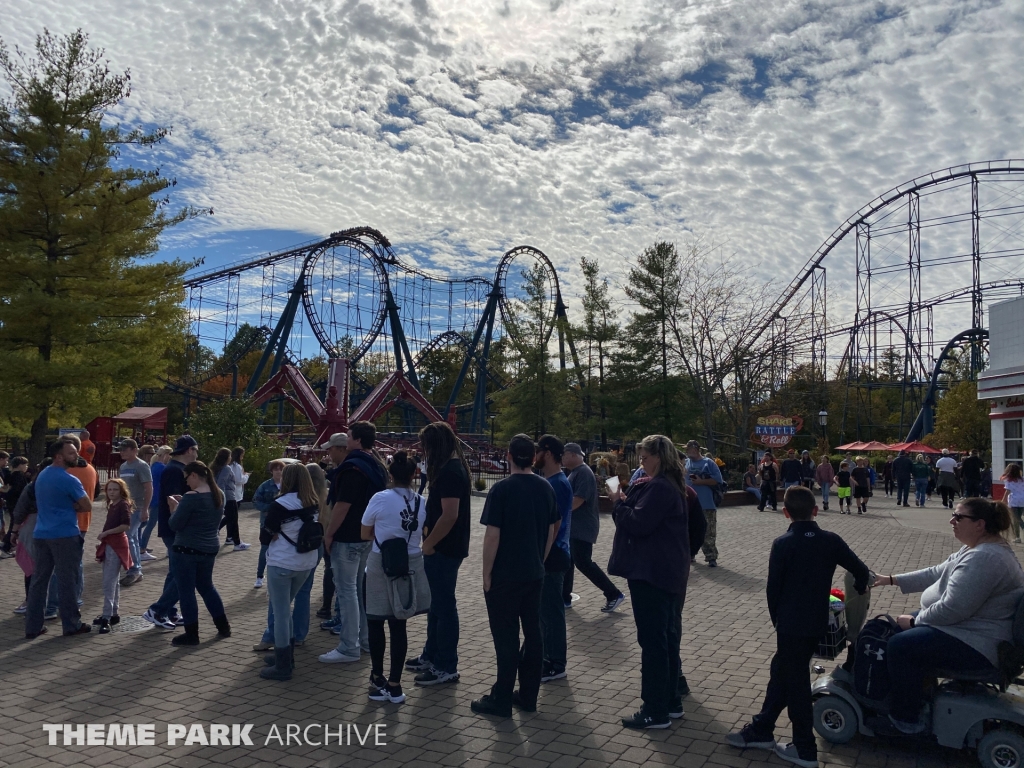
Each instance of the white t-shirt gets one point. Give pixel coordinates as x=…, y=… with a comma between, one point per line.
x=946, y=464
x=281, y=552
x=1016, y=489
x=391, y=513
x=241, y=478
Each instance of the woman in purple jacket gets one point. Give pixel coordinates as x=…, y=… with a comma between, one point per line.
x=651, y=549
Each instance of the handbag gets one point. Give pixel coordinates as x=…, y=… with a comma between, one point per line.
x=394, y=553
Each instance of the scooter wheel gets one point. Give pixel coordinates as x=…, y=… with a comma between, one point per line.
x=835, y=720
x=1001, y=748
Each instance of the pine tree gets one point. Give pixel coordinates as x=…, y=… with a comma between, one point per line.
x=654, y=283
x=598, y=331
x=82, y=322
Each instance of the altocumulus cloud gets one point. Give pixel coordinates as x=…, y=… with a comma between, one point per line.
x=584, y=128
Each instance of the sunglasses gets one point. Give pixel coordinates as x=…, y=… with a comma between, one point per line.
x=959, y=517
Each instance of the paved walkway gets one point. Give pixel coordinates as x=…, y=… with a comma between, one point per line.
x=139, y=678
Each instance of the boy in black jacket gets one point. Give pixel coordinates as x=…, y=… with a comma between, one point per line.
x=800, y=570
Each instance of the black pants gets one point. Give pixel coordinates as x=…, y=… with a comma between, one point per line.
x=948, y=496
x=903, y=491
x=328, y=587
x=509, y=606
x=972, y=488
x=583, y=559
x=378, y=643
x=890, y=486
x=230, y=520
x=790, y=688
x=767, y=496
x=657, y=615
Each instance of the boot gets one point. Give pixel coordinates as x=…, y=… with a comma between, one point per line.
x=282, y=669
x=191, y=636
x=223, y=628
x=270, y=659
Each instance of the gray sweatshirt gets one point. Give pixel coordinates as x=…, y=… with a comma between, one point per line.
x=972, y=596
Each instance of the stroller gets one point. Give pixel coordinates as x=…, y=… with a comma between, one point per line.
x=965, y=710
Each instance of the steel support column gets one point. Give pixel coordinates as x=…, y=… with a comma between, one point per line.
x=977, y=306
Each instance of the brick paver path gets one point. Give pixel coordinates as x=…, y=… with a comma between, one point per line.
x=727, y=643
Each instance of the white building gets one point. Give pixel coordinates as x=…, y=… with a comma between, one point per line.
x=1002, y=384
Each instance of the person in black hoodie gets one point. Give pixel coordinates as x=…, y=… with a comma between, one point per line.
x=651, y=550
x=164, y=613
x=800, y=569
x=902, y=471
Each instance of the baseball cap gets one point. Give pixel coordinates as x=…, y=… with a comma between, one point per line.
x=521, y=447
x=128, y=443
x=183, y=443
x=574, y=448
x=337, y=440
x=551, y=443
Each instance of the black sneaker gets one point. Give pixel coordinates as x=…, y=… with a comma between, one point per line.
x=550, y=673
x=417, y=664
x=642, y=720
x=675, y=708
x=486, y=705
x=748, y=738
x=83, y=629
x=104, y=625
x=115, y=619
x=517, y=701
x=614, y=603
x=435, y=677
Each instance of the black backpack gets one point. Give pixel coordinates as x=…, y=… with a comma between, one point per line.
x=394, y=552
x=311, y=535
x=871, y=664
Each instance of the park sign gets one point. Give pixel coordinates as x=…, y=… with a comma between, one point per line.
x=776, y=431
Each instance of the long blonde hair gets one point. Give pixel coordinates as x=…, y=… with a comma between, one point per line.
x=668, y=459
x=296, y=479
x=319, y=480
x=125, y=493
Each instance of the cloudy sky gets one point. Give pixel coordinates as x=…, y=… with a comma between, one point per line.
x=582, y=127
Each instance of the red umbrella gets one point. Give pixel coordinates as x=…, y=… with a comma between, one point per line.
x=852, y=447
x=874, y=445
x=913, y=448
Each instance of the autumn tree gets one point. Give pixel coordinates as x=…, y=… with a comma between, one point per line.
x=961, y=419
x=83, y=322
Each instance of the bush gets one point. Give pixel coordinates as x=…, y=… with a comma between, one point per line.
x=480, y=484
x=230, y=422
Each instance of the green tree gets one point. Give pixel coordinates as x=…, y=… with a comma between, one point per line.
x=961, y=419
x=654, y=283
x=598, y=331
x=80, y=317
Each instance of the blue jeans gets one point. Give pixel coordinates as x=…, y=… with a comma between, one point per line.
x=755, y=492
x=914, y=655
x=194, y=573
x=133, y=542
x=552, y=620
x=283, y=585
x=147, y=530
x=164, y=606
x=300, y=613
x=442, y=646
x=921, y=489
x=824, y=493
x=349, y=563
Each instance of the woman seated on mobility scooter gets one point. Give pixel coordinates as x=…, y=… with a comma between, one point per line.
x=967, y=608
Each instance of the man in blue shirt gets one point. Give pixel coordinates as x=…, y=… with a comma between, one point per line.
x=703, y=475
x=57, y=541
x=547, y=462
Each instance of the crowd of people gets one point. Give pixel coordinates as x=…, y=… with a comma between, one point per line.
x=390, y=554
x=854, y=481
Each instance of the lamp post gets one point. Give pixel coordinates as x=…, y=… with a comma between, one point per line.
x=492, y=429
x=823, y=421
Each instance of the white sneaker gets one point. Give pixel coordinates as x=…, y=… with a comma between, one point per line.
x=334, y=657
x=788, y=753
x=21, y=608
x=258, y=584
x=146, y=556
x=241, y=547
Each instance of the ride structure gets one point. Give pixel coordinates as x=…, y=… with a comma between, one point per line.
x=900, y=258
x=380, y=324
